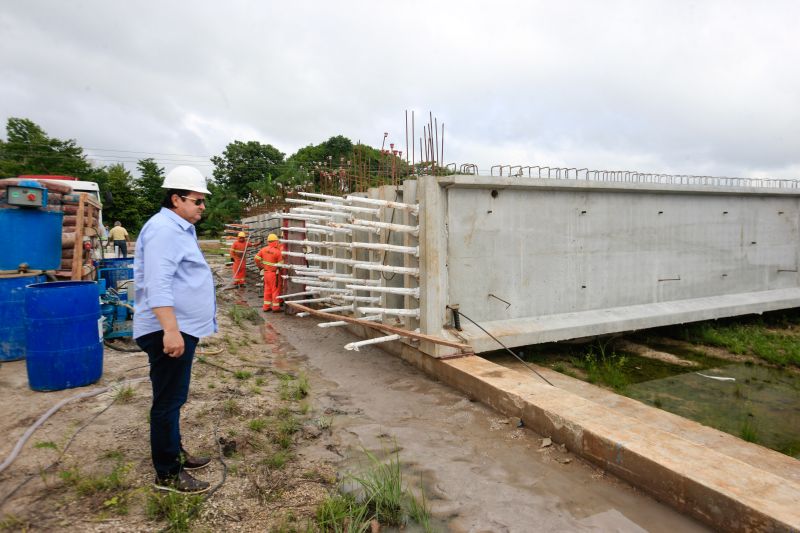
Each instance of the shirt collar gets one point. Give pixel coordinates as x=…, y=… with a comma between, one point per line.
x=183, y=223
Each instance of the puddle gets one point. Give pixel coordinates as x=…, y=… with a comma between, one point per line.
x=762, y=405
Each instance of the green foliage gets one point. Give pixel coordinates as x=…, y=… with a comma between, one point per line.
x=222, y=206
x=242, y=375
x=278, y=459
x=176, y=509
x=341, y=513
x=602, y=367
x=244, y=164
x=292, y=388
x=148, y=186
x=87, y=485
x=748, y=431
x=380, y=496
x=126, y=205
x=257, y=424
x=29, y=150
x=41, y=445
x=776, y=347
x=239, y=313
x=125, y=394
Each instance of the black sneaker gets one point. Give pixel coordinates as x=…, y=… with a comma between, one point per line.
x=190, y=462
x=182, y=482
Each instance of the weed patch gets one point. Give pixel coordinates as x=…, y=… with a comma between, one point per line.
x=176, y=509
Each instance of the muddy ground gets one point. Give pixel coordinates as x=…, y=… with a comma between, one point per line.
x=478, y=470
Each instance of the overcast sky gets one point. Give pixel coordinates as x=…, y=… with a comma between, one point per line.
x=702, y=87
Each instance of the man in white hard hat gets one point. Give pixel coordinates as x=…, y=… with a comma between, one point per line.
x=175, y=307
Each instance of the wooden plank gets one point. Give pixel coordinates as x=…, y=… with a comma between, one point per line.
x=77, y=258
x=383, y=327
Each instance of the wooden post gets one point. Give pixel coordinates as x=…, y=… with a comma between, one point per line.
x=77, y=250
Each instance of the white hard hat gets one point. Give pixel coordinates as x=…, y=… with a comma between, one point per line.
x=186, y=178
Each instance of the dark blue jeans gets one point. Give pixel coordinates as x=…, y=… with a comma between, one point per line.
x=170, y=378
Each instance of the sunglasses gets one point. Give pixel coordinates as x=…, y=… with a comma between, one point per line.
x=197, y=201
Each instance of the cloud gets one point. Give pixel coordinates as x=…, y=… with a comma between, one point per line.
x=689, y=87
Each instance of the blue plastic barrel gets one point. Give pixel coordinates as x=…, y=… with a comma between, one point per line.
x=64, y=335
x=12, y=310
x=115, y=271
x=31, y=236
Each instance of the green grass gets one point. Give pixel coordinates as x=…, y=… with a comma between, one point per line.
x=11, y=522
x=380, y=495
x=176, y=509
x=278, y=459
x=341, y=513
x=748, y=431
x=259, y=381
x=231, y=407
x=604, y=367
x=87, y=485
x=293, y=388
x=46, y=445
x=748, y=339
x=239, y=313
x=242, y=375
x=124, y=395
x=257, y=425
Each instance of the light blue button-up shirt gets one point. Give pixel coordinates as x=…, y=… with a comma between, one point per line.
x=169, y=270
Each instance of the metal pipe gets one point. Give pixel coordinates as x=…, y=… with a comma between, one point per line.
x=354, y=346
x=386, y=268
x=300, y=216
x=414, y=292
x=321, y=196
x=329, y=229
x=312, y=300
x=341, y=279
x=384, y=311
x=335, y=207
x=344, y=227
x=318, y=244
x=398, y=228
x=372, y=318
x=413, y=250
x=364, y=299
x=326, y=214
x=306, y=293
x=414, y=208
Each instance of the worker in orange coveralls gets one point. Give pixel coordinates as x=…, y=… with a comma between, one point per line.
x=267, y=258
x=237, y=254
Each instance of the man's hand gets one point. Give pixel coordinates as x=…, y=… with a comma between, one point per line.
x=173, y=343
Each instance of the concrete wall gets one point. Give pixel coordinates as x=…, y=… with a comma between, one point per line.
x=574, y=258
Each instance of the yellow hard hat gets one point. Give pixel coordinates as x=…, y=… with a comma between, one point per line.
x=272, y=237
x=242, y=234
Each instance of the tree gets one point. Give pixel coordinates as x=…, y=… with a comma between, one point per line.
x=29, y=150
x=242, y=165
x=148, y=186
x=222, y=207
x=127, y=203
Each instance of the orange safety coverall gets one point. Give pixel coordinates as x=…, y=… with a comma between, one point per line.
x=267, y=258
x=237, y=254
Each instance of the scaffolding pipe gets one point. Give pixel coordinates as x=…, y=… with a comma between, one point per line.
x=319, y=244
x=300, y=216
x=397, y=228
x=363, y=299
x=321, y=196
x=412, y=208
x=305, y=293
x=390, y=290
x=341, y=279
x=412, y=250
x=354, y=346
x=311, y=300
x=343, y=323
x=342, y=226
x=386, y=268
x=328, y=229
x=326, y=214
x=396, y=312
x=336, y=207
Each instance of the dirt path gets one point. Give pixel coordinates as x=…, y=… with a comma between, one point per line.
x=479, y=470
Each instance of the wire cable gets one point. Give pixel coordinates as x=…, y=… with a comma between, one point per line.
x=503, y=345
